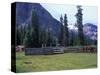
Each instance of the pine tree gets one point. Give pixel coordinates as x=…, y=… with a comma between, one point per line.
x=49, y=36
x=28, y=39
x=35, y=29
x=24, y=32
x=72, y=38
x=20, y=34
x=66, y=32
x=32, y=32
x=61, y=41
x=80, y=25
x=42, y=37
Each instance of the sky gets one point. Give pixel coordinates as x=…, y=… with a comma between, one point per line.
x=56, y=10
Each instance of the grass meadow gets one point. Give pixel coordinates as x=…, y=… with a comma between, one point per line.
x=66, y=61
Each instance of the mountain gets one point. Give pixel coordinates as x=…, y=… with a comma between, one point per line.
x=23, y=16
x=90, y=30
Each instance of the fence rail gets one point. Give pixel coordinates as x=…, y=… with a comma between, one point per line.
x=86, y=49
x=59, y=50
x=45, y=51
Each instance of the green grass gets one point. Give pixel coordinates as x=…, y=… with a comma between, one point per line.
x=55, y=62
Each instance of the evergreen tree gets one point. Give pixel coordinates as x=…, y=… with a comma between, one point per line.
x=66, y=32
x=28, y=40
x=61, y=37
x=54, y=42
x=24, y=32
x=20, y=34
x=80, y=25
x=72, y=38
x=35, y=29
x=49, y=36
x=42, y=37
x=32, y=32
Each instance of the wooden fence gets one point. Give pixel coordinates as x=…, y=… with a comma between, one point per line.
x=43, y=51
x=59, y=50
x=79, y=49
